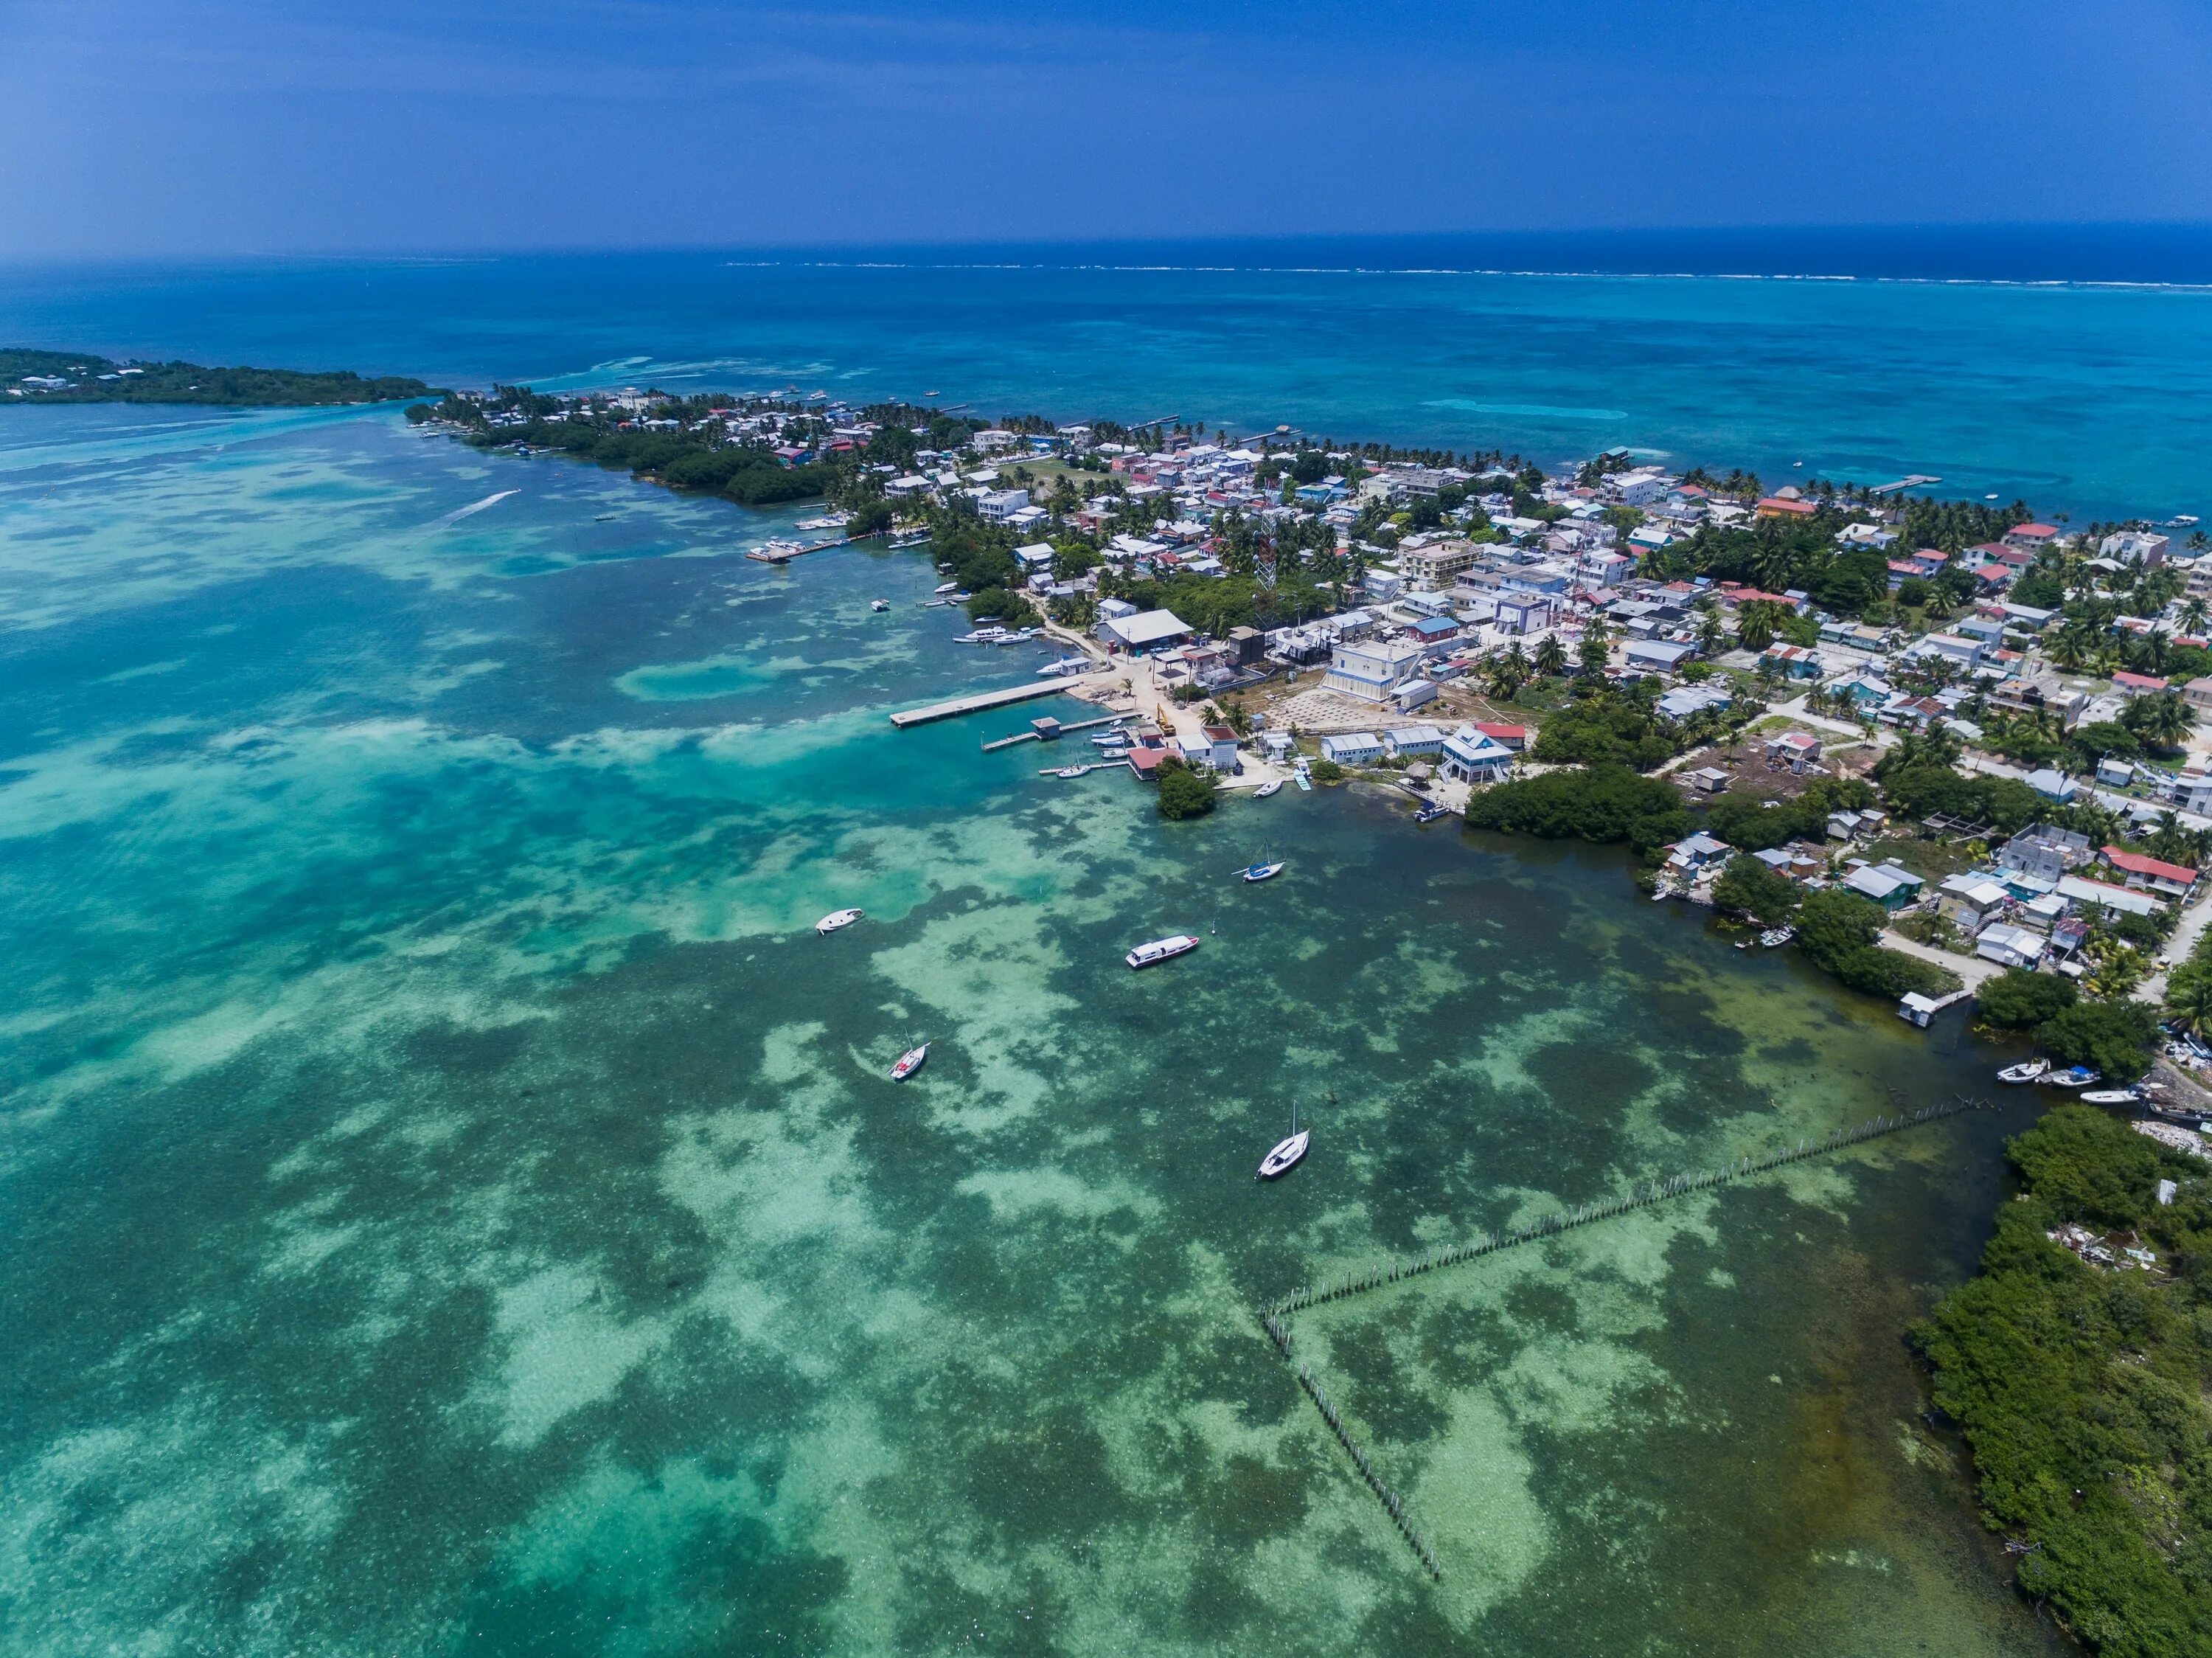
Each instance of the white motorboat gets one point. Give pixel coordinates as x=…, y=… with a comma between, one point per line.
x=837, y=920
x=2028, y=1070
x=1162, y=949
x=879, y=604
x=1252, y=872
x=2111, y=1096
x=1275, y=787
x=945, y=587
x=2075, y=1076
x=1775, y=938
x=1285, y=1156
x=909, y=1062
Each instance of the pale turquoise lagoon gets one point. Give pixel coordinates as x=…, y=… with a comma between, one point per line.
x=453, y=1201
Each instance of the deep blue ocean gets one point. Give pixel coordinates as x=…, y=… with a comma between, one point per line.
x=2061, y=366
x=451, y=1201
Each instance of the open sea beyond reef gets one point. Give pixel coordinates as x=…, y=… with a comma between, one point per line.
x=453, y=1201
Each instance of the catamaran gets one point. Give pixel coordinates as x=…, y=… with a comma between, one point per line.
x=836, y=919
x=1287, y=1154
x=909, y=1062
x=1162, y=949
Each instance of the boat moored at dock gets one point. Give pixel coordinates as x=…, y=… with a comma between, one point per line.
x=2112, y=1097
x=1162, y=949
x=1272, y=786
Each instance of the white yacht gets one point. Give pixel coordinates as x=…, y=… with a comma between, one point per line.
x=1285, y=1156
x=837, y=920
x=1162, y=949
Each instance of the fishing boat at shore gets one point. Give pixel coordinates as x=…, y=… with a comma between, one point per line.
x=2112, y=1097
x=2028, y=1070
x=1432, y=811
x=837, y=920
x=1162, y=949
x=909, y=1062
x=1287, y=1154
x=2074, y=1076
x=1775, y=938
x=901, y=543
x=1274, y=786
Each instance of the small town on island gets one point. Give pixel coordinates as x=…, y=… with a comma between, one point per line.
x=1958, y=743
x=1948, y=750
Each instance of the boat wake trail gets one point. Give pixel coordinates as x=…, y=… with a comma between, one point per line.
x=453, y=518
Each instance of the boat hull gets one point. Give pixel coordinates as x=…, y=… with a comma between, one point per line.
x=837, y=921
x=1161, y=949
x=1286, y=1156
x=910, y=1062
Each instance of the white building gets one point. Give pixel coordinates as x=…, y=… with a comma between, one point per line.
x=1470, y=756
x=999, y=505
x=1414, y=741
x=1372, y=669
x=1143, y=630
x=1353, y=748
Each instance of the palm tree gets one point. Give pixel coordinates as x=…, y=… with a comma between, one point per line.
x=1551, y=656
x=1756, y=623
x=2188, y=1001
x=2194, y=615
x=2073, y=647
x=2163, y=719
x=1710, y=636
x=2169, y=840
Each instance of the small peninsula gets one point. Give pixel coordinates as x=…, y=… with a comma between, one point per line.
x=34, y=376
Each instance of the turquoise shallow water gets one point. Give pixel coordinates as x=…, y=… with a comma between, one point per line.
x=2084, y=399
x=453, y=1201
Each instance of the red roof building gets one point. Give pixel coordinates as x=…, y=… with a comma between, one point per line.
x=2152, y=872
x=1776, y=507
x=2137, y=685
x=1506, y=736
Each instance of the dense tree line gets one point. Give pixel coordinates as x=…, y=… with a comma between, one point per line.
x=190, y=382
x=1603, y=803
x=2082, y=1392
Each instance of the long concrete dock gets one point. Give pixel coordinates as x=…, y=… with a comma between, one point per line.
x=983, y=699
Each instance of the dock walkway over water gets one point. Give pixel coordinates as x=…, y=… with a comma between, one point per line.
x=983, y=699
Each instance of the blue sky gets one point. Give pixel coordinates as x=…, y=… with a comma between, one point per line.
x=223, y=126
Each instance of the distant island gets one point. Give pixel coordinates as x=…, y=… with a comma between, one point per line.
x=30, y=376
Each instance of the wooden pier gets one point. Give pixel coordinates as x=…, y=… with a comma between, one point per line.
x=985, y=699
x=785, y=554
